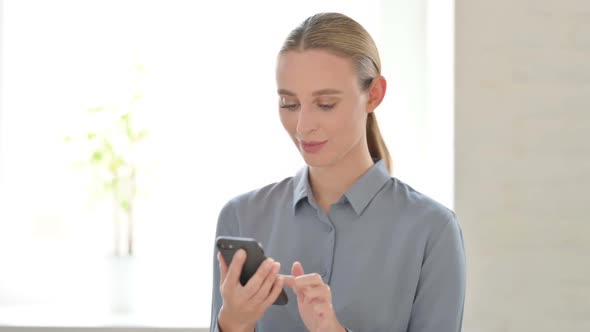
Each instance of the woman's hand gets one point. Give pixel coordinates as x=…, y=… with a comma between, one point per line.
x=244, y=305
x=314, y=300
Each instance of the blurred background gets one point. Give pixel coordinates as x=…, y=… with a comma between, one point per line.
x=126, y=125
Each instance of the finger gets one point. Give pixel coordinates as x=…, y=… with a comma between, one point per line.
x=255, y=282
x=316, y=301
x=289, y=281
x=277, y=287
x=235, y=268
x=300, y=296
x=320, y=294
x=296, y=271
x=266, y=286
x=309, y=280
x=222, y=268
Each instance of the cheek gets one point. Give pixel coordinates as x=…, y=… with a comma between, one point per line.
x=351, y=124
x=289, y=122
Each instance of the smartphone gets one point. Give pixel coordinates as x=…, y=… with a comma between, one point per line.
x=228, y=245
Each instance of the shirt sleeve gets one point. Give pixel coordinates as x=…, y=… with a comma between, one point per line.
x=440, y=296
x=227, y=225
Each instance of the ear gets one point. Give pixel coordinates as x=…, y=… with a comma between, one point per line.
x=376, y=93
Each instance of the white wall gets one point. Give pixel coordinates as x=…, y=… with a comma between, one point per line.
x=523, y=163
x=416, y=117
x=1, y=87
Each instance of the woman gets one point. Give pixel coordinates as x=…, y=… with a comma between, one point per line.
x=355, y=249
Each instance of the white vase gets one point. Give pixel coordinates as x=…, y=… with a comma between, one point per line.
x=122, y=273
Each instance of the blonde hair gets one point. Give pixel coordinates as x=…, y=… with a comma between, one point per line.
x=343, y=36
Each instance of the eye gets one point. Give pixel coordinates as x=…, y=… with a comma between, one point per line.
x=327, y=107
x=288, y=103
x=290, y=107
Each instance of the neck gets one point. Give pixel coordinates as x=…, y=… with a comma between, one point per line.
x=329, y=183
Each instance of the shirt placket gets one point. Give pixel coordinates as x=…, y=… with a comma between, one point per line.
x=328, y=254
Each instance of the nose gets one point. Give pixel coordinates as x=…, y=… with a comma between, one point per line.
x=307, y=121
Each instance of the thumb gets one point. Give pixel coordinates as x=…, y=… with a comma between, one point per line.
x=297, y=269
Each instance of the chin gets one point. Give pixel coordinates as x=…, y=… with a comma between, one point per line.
x=317, y=159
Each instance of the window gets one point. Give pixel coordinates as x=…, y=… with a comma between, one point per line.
x=206, y=81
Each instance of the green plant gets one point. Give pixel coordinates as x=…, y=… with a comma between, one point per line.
x=109, y=149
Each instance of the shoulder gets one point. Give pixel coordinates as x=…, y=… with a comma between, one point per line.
x=264, y=195
x=259, y=198
x=434, y=224
x=420, y=209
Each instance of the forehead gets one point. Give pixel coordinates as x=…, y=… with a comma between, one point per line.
x=311, y=70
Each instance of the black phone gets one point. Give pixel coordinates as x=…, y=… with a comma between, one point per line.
x=228, y=245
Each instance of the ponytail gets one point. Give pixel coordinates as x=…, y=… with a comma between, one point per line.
x=377, y=147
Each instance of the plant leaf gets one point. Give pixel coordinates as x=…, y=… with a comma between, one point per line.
x=125, y=204
x=97, y=156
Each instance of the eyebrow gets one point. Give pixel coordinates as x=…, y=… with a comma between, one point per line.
x=315, y=93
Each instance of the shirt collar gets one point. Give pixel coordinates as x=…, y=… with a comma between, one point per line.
x=300, y=191
x=359, y=195
x=364, y=189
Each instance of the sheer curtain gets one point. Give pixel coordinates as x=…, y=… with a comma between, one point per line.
x=208, y=100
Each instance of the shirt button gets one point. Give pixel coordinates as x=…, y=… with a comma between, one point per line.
x=324, y=273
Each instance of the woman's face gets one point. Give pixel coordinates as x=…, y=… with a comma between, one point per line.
x=321, y=105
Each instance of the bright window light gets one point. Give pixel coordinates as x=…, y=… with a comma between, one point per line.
x=204, y=74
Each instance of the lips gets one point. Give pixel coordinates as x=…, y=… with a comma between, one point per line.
x=312, y=146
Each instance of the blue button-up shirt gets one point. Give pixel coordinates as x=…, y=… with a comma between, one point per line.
x=394, y=258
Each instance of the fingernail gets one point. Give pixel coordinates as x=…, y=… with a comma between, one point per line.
x=268, y=264
x=276, y=267
x=240, y=253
